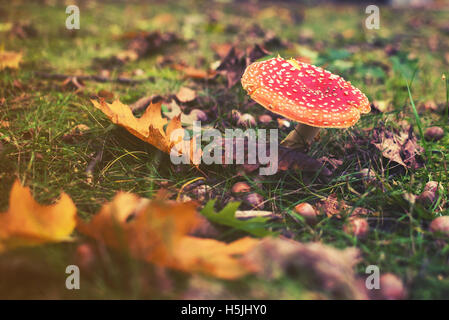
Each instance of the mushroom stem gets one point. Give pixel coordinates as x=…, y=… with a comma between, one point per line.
x=301, y=136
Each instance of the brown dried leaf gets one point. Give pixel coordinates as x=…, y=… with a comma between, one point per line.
x=186, y=94
x=331, y=206
x=401, y=148
x=233, y=65
x=193, y=73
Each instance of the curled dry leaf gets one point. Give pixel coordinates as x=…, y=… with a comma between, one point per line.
x=146, y=43
x=149, y=127
x=10, y=59
x=186, y=119
x=27, y=223
x=331, y=206
x=234, y=64
x=322, y=267
x=157, y=232
x=186, y=94
x=288, y=159
x=193, y=73
x=402, y=147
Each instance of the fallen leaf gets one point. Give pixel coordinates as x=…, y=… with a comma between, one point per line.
x=186, y=94
x=4, y=124
x=400, y=147
x=233, y=65
x=331, y=206
x=318, y=266
x=76, y=132
x=288, y=159
x=146, y=43
x=213, y=257
x=193, y=73
x=222, y=49
x=186, y=119
x=292, y=159
x=227, y=216
x=27, y=223
x=73, y=83
x=23, y=30
x=149, y=127
x=10, y=59
x=157, y=232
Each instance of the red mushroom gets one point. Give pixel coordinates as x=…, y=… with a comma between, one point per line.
x=304, y=93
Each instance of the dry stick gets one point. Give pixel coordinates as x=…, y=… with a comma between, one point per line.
x=122, y=80
x=92, y=164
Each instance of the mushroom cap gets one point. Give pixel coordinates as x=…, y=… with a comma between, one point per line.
x=304, y=93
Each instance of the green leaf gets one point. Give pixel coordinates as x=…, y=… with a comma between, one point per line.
x=255, y=226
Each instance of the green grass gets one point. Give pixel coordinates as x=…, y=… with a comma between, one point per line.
x=42, y=112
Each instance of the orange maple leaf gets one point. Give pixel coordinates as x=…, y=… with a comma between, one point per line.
x=10, y=59
x=27, y=223
x=149, y=127
x=157, y=231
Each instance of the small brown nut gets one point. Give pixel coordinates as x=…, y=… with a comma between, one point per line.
x=254, y=200
x=391, y=287
x=265, y=118
x=240, y=187
x=426, y=198
x=433, y=186
x=283, y=123
x=247, y=120
x=430, y=106
x=434, y=134
x=357, y=226
x=202, y=192
x=235, y=115
x=440, y=225
x=306, y=211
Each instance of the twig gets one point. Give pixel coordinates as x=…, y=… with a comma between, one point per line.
x=121, y=80
x=92, y=164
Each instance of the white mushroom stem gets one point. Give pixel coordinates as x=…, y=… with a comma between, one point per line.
x=301, y=136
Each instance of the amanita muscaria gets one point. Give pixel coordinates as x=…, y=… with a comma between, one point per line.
x=304, y=93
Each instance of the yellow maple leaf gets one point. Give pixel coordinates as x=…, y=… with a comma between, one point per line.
x=214, y=257
x=27, y=223
x=10, y=59
x=157, y=231
x=149, y=127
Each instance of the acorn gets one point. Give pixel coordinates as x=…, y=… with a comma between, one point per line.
x=235, y=115
x=246, y=120
x=265, y=119
x=440, y=225
x=240, y=187
x=254, y=200
x=306, y=211
x=426, y=198
x=434, y=134
x=391, y=287
x=357, y=227
x=433, y=186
